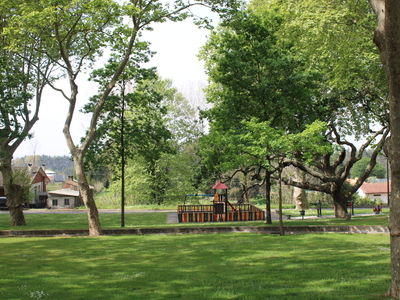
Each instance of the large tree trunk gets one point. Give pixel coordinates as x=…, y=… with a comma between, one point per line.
x=392, y=37
x=300, y=195
x=13, y=194
x=339, y=204
x=387, y=39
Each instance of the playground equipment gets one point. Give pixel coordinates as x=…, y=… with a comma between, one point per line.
x=220, y=210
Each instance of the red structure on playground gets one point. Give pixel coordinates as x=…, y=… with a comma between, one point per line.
x=221, y=209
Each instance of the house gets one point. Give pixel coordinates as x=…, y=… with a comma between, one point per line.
x=39, y=180
x=64, y=198
x=67, y=197
x=375, y=191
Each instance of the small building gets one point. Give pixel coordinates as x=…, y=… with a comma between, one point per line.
x=64, y=198
x=375, y=191
x=70, y=184
x=67, y=197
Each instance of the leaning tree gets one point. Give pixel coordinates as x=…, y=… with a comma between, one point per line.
x=24, y=73
x=77, y=34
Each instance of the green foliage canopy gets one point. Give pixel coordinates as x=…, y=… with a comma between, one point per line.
x=252, y=76
x=359, y=168
x=334, y=39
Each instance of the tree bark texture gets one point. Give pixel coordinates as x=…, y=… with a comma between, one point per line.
x=268, y=198
x=299, y=194
x=281, y=228
x=13, y=194
x=87, y=197
x=392, y=38
x=339, y=204
x=387, y=39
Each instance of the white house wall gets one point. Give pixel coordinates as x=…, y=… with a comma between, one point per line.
x=61, y=201
x=382, y=197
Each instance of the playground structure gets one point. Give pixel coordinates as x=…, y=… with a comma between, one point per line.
x=220, y=211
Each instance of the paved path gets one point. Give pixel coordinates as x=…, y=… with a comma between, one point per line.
x=172, y=217
x=83, y=211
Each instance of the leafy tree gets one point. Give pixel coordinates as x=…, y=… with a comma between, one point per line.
x=331, y=171
x=130, y=124
x=24, y=72
x=76, y=34
x=352, y=88
x=168, y=174
x=359, y=167
x=254, y=76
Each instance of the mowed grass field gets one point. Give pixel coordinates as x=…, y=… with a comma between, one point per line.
x=203, y=266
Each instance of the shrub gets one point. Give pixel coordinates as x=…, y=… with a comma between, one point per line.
x=362, y=201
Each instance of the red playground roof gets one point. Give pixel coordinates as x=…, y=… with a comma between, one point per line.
x=220, y=186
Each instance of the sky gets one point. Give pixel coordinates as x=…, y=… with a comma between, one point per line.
x=177, y=46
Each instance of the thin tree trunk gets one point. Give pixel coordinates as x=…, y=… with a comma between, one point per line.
x=281, y=229
x=268, y=198
x=88, y=199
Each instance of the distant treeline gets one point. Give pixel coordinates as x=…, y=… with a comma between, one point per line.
x=62, y=165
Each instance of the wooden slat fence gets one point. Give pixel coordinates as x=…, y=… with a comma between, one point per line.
x=206, y=213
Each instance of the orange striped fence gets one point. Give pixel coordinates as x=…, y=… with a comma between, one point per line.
x=206, y=213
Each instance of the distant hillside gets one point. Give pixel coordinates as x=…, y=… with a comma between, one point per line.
x=62, y=165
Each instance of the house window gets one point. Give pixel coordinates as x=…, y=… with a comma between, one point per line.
x=66, y=202
x=55, y=202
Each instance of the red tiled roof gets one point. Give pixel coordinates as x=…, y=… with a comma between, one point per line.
x=375, y=188
x=220, y=186
x=73, y=182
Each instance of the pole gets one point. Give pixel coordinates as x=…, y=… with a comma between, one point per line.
x=122, y=119
x=226, y=205
x=388, y=177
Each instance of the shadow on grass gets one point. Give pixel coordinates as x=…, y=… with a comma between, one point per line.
x=214, y=266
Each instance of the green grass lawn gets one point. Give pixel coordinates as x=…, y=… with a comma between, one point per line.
x=159, y=219
x=211, y=266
